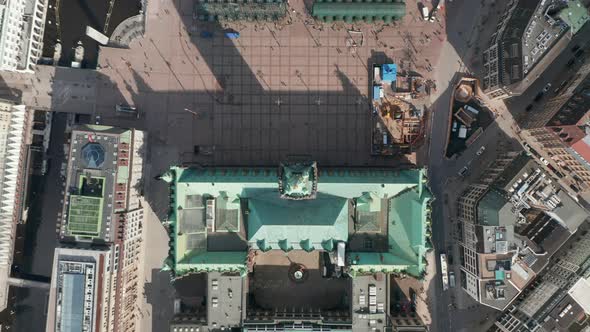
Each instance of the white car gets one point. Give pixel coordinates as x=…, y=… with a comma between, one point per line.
x=544, y=161
x=547, y=87
x=481, y=151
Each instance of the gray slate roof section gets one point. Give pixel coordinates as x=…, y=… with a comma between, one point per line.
x=569, y=213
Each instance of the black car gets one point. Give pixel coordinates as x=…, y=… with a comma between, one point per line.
x=578, y=53
x=575, y=48
x=538, y=96
x=570, y=62
x=529, y=107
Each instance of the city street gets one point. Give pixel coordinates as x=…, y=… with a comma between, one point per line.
x=41, y=237
x=448, y=308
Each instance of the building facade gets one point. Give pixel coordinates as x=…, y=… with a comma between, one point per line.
x=529, y=35
x=15, y=137
x=548, y=305
x=21, y=34
x=560, y=133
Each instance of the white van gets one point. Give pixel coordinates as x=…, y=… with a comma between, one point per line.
x=425, y=13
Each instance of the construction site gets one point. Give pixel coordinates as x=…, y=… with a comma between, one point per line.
x=399, y=110
x=469, y=116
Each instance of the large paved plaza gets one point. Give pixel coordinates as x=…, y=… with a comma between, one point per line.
x=298, y=88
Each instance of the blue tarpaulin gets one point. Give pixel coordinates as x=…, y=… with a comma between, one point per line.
x=389, y=72
x=232, y=35
x=376, y=92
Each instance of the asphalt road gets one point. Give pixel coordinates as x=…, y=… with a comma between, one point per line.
x=443, y=172
x=445, y=183
x=30, y=304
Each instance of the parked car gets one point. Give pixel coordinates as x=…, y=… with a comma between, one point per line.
x=547, y=87
x=463, y=171
x=544, y=161
x=527, y=146
x=528, y=107
x=538, y=96
x=481, y=151
x=578, y=53
x=452, y=279
x=575, y=48
x=570, y=62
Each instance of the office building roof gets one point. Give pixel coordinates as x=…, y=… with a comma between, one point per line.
x=497, y=293
x=75, y=280
x=582, y=147
x=569, y=213
x=14, y=128
x=575, y=15
x=72, y=309
x=518, y=167
x=495, y=210
x=580, y=292
x=224, y=305
x=97, y=178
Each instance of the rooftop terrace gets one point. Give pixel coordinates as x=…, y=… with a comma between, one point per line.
x=97, y=175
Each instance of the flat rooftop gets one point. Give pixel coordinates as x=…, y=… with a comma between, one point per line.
x=542, y=31
x=95, y=172
x=225, y=300
x=73, y=294
x=363, y=318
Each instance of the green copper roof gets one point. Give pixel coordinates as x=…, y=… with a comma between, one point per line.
x=354, y=11
x=407, y=219
x=298, y=181
x=273, y=222
x=296, y=224
x=575, y=15
x=369, y=212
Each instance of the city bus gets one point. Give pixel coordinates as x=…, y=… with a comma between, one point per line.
x=444, y=271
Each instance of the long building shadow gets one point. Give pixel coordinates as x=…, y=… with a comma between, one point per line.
x=244, y=121
x=159, y=293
